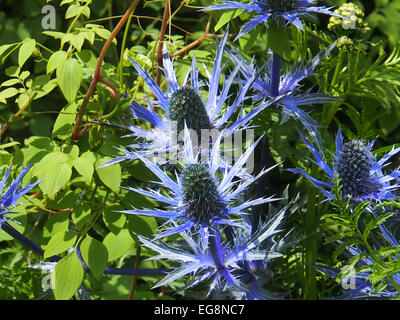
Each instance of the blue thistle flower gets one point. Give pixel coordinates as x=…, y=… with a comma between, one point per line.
x=9, y=196
x=199, y=199
x=221, y=263
x=279, y=10
x=362, y=176
x=185, y=104
x=287, y=85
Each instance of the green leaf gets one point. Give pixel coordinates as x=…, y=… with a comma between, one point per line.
x=69, y=275
x=81, y=215
x=74, y=9
x=142, y=225
x=56, y=223
x=59, y=242
x=84, y=167
x=9, y=83
x=114, y=221
x=69, y=76
x=118, y=244
x=5, y=47
x=226, y=17
x=55, y=169
x=7, y=93
x=111, y=175
x=278, y=40
x=25, y=51
x=64, y=123
x=95, y=254
x=55, y=60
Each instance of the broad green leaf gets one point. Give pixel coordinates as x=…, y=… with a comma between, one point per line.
x=10, y=144
x=74, y=9
x=55, y=34
x=64, y=123
x=84, y=167
x=23, y=100
x=111, y=175
x=5, y=47
x=59, y=242
x=226, y=17
x=81, y=215
x=25, y=51
x=72, y=151
x=69, y=77
x=55, y=169
x=114, y=220
x=55, y=60
x=145, y=226
x=69, y=275
x=9, y=83
x=7, y=93
x=118, y=244
x=95, y=254
x=56, y=223
x=75, y=40
x=13, y=71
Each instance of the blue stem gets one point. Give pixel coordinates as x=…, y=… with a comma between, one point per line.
x=214, y=244
x=265, y=151
x=109, y=270
x=275, y=75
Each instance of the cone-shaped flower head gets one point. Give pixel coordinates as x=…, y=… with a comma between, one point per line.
x=203, y=196
x=362, y=176
x=354, y=165
x=185, y=104
x=288, y=11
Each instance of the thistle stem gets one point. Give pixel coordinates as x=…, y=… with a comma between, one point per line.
x=275, y=75
x=22, y=239
x=265, y=151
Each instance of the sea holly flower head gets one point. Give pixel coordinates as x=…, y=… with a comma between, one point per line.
x=354, y=165
x=288, y=11
x=289, y=88
x=15, y=190
x=221, y=263
x=362, y=175
x=185, y=104
x=203, y=196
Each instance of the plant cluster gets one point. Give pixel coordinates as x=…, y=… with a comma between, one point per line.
x=151, y=159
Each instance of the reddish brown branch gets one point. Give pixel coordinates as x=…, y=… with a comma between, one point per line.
x=76, y=134
x=195, y=43
x=161, y=40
